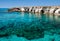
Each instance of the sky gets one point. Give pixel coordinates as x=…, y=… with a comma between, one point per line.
x=19, y=3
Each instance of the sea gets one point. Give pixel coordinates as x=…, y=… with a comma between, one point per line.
x=28, y=26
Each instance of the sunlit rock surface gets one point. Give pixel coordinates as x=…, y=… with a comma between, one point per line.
x=37, y=9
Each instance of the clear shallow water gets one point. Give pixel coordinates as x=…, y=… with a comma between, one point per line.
x=47, y=26
x=27, y=18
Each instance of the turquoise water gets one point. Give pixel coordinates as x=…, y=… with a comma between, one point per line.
x=24, y=26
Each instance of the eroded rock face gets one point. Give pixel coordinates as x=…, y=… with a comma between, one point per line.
x=37, y=9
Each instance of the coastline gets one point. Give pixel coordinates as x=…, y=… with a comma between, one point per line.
x=38, y=9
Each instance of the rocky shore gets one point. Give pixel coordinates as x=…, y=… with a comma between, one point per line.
x=38, y=9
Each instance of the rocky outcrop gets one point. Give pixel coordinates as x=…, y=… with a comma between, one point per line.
x=13, y=10
x=41, y=9
x=57, y=12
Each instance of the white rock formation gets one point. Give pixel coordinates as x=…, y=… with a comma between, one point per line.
x=57, y=12
x=51, y=10
x=22, y=9
x=47, y=10
x=30, y=9
x=36, y=10
x=33, y=10
x=40, y=10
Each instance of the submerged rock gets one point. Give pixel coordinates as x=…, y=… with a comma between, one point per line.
x=31, y=33
x=28, y=33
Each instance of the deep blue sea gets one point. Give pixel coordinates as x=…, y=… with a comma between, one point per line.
x=25, y=26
